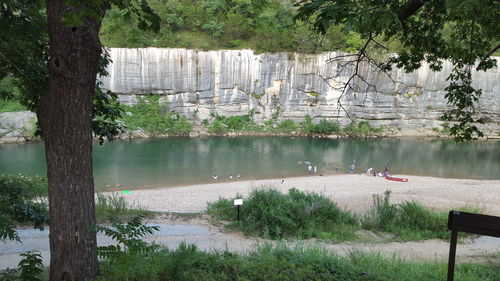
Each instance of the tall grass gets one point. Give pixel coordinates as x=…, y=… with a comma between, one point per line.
x=408, y=220
x=269, y=213
x=113, y=206
x=280, y=262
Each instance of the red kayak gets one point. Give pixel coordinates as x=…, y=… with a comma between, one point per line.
x=396, y=179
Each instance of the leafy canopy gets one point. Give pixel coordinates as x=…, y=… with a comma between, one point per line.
x=461, y=31
x=24, y=52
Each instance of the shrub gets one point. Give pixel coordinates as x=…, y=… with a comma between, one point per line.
x=20, y=202
x=409, y=220
x=362, y=129
x=151, y=116
x=146, y=114
x=270, y=213
x=178, y=125
x=324, y=126
x=129, y=237
x=218, y=128
x=287, y=126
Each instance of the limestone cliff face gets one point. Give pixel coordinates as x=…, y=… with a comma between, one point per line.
x=234, y=82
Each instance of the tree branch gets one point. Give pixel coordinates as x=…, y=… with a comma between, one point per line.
x=410, y=9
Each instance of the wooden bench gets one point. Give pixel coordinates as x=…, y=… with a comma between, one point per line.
x=470, y=223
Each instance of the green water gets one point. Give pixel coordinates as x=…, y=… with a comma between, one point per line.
x=179, y=161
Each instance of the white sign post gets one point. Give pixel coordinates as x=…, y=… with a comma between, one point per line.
x=238, y=203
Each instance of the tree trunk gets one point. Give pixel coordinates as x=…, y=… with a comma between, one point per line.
x=65, y=118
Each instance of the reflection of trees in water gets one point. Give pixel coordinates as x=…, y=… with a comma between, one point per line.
x=175, y=161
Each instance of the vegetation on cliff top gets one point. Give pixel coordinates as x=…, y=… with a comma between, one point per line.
x=264, y=26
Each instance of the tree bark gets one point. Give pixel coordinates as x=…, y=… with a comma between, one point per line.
x=65, y=117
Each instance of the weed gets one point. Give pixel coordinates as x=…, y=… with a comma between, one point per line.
x=408, y=220
x=129, y=237
x=280, y=262
x=112, y=206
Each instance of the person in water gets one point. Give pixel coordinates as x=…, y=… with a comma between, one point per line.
x=215, y=177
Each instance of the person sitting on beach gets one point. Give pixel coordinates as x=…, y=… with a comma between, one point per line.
x=352, y=168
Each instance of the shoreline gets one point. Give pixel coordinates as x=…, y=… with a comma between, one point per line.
x=352, y=192
x=412, y=134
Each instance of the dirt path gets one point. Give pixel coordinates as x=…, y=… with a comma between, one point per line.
x=199, y=231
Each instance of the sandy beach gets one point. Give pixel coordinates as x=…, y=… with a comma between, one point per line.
x=353, y=192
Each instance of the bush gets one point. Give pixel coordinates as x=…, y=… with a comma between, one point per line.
x=225, y=124
x=7, y=105
x=178, y=125
x=218, y=128
x=287, y=126
x=146, y=114
x=408, y=220
x=324, y=127
x=270, y=213
x=362, y=129
x=129, y=237
x=151, y=116
x=20, y=202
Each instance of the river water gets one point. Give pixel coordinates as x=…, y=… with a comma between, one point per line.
x=179, y=161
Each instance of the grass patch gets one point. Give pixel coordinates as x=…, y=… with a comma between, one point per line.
x=408, y=220
x=8, y=105
x=268, y=213
x=280, y=263
x=113, y=206
x=271, y=214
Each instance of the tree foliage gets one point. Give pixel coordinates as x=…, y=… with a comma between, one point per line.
x=24, y=57
x=262, y=25
x=461, y=31
x=20, y=203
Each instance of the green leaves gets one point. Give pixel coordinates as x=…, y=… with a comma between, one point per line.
x=20, y=203
x=129, y=237
x=31, y=266
x=461, y=31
